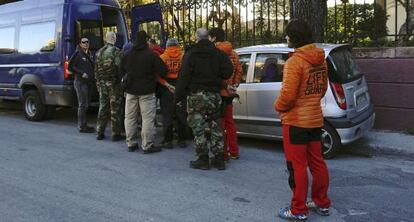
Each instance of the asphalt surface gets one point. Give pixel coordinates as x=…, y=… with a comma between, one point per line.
x=50, y=172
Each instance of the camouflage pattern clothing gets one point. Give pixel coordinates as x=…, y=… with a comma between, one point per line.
x=109, y=87
x=204, y=109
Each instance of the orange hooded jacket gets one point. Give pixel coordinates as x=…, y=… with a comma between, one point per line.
x=172, y=57
x=235, y=78
x=305, y=80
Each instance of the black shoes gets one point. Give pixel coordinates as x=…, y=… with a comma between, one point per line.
x=218, y=162
x=117, y=137
x=133, y=148
x=86, y=129
x=152, y=149
x=167, y=144
x=202, y=163
x=182, y=144
x=100, y=136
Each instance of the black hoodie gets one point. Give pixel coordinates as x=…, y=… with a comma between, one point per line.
x=204, y=67
x=141, y=65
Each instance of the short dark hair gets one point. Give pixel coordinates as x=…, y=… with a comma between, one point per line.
x=299, y=33
x=218, y=33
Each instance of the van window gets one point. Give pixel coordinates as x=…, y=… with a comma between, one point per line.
x=153, y=30
x=344, y=65
x=91, y=29
x=6, y=39
x=112, y=21
x=269, y=67
x=37, y=37
x=244, y=62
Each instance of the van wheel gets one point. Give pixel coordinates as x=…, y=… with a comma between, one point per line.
x=330, y=141
x=34, y=109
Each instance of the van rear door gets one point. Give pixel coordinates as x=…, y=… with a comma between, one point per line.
x=348, y=76
x=149, y=18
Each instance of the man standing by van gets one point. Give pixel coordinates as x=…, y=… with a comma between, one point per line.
x=228, y=92
x=203, y=70
x=82, y=66
x=304, y=84
x=108, y=82
x=141, y=67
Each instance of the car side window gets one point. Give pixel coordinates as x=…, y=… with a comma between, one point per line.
x=245, y=62
x=269, y=67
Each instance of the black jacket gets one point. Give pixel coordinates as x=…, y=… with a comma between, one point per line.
x=80, y=63
x=204, y=67
x=141, y=66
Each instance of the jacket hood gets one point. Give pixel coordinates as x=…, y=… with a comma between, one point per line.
x=173, y=51
x=204, y=48
x=311, y=54
x=226, y=47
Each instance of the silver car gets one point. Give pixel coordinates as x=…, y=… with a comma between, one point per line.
x=346, y=107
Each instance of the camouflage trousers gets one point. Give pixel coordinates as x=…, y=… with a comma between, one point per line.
x=110, y=106
x=203, y=117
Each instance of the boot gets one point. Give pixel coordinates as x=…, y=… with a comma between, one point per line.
x=100, y=136
x=218, y=162
x=201, y=163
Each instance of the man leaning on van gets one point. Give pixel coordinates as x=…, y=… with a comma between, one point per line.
x=81, y=64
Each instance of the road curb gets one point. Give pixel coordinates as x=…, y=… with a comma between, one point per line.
x=387, y=142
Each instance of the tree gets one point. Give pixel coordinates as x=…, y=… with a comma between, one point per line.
x=361, y=24
x=312, y=11
x=407, y=28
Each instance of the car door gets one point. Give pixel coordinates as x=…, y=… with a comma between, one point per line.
x=262, y=91
x=149, y=18
x=240, y=104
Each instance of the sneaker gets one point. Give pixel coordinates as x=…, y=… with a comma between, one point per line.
x=100, y=136
x=234, y=156
x=152, y=149
x=286, y=214
x=132, y=148
x=117, y=137
x=319, y=210
x=86, y=129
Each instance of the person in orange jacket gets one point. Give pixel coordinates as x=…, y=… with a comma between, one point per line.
x=155, y=48
x=305, y=82
x=228, y=92
x=172, y=57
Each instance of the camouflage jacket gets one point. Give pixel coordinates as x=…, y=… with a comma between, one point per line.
x=107, y=63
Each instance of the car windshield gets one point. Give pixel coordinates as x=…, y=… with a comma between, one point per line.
x=345, y=66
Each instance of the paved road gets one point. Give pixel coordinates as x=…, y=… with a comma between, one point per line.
x=49, y=172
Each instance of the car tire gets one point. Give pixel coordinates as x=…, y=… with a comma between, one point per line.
x=330, y=140
x=34, y=109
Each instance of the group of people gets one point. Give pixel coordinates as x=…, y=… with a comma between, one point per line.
x=196, y=88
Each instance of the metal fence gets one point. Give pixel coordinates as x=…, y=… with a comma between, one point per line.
x=251, y=22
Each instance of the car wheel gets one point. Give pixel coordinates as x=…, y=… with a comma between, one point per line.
x=330, y=141
x=34, y=109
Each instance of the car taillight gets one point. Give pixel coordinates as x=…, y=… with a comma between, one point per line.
x=339, y=95
x=66, y=73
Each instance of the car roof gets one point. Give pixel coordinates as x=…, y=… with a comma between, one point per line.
x=282, y=47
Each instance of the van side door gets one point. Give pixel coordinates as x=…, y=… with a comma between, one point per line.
x=262, y=92
x=149, y=18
